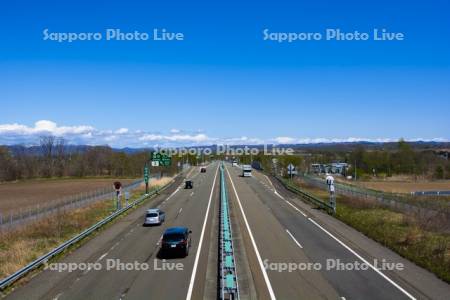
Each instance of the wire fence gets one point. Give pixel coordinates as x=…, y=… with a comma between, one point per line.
x=407, y=203
x=13, y=219
x=5, y=282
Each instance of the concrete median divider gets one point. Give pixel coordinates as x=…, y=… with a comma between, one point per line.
x=227, y=268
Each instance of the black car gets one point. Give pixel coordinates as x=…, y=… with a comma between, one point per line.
x=188, y=184
x=203, y=170
x=176, y=240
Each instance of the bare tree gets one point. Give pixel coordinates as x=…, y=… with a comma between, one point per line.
x=6, y=165
x=60, y=157
x=47, y=144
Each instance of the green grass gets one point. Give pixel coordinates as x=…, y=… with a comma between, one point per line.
x=22, y=246
x=428, y=249
x=402, y=233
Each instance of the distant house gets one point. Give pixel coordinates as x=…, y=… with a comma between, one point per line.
x=445, y=153
x=339, y=168
x=318, y=168
x=333, y=168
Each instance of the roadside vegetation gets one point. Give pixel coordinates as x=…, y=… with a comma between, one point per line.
x=23, y=245
x=417, y=236
x=406, y=161
x=53, y=158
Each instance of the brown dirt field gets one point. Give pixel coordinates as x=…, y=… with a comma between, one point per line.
x=19, y=195
x=407, y=187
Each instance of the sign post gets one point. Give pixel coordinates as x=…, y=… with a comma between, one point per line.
x=127, y=197
x=331, y=189
x=291, y=170
x=161, y=160
x=146, y=177
x=118, y=188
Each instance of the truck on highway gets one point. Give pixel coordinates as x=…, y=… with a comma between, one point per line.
x=246, y=171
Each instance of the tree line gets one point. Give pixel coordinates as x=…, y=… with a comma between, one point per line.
x=403, y=160
x=400, y=160
x=53, y=159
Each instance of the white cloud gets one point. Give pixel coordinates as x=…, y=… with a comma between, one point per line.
x=121, y=131
x=122, y=137
x=284, y=140
x=43, y=127
x=198, y=138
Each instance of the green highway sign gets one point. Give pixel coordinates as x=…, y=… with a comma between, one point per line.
x=161, y=160
x=146, y=174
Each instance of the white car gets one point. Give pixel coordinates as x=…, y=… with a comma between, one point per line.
x=246, y=171
x=154, y=217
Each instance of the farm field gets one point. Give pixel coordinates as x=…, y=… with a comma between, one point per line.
x=406, y=186
x=20, y=195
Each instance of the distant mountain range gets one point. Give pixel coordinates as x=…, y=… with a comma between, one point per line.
x=343, y=146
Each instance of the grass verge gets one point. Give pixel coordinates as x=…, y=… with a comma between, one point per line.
x=426, y=242
x=23, y=245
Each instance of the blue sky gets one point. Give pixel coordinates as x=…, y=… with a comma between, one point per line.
x=223, y=82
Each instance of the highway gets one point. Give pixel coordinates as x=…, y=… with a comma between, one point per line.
x=270, y=225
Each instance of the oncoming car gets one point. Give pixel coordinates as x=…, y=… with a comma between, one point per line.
x=188, y=184
x=176, y=240
x=154, y=217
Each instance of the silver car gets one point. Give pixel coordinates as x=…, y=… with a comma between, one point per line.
x=154, y=217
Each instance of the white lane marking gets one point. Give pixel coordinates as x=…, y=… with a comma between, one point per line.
x=189, y=173
x=171, y=195
x=192, y=193
x=279, y=196
x=114, y=246
x=270, y=181
x=295, y=207
x=102, y=257
x=197, y=255
x=298, y=244
x=57, y=296
x=342, y=298
x=159, y=241
x=181, y=209
x=363, y=260
x=258, y=256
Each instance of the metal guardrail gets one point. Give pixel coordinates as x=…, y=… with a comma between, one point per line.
x=228, y=279
x=306, y=196
x=431, y=193
x=4, y=283
x=401, y=202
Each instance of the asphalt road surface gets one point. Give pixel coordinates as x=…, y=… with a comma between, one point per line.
x=272, y=228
